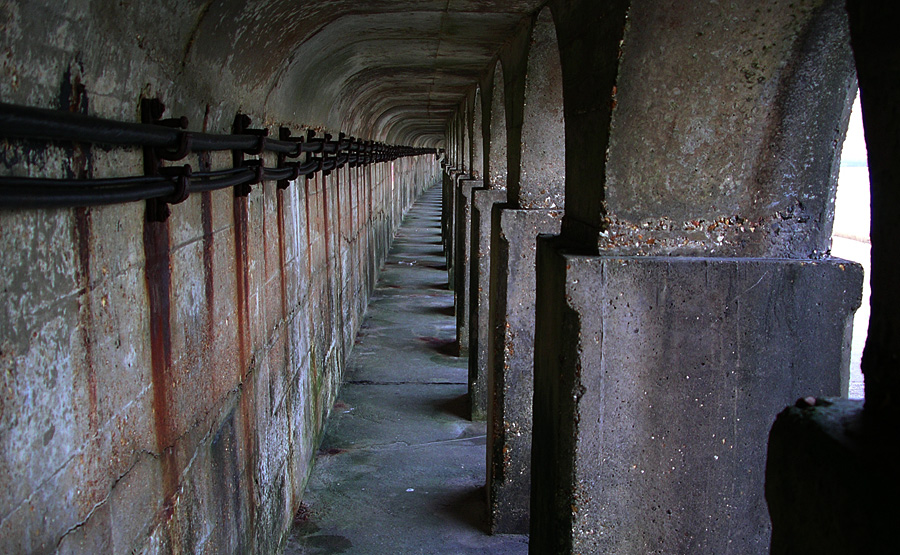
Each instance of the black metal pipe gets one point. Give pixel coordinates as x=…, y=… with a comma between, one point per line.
x=274, y=174
x=19, y=122
x=209, y=142
x=9, y=182
x=241, y=177
x=73, y=195
x=25, y=122
x=310, y=167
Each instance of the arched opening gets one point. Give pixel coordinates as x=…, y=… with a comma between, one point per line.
x=483, y=201
x=850, y=235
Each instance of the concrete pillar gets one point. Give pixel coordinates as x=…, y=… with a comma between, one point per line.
x=477, y=135
x=463, y=241
x=659, y=376
x=704, y=180
x=464, y=219
x=447, y=181
x=457, y=176
x=483, y=201
x=876, y=51
x=511, y=363
x=536, y=193
x=468, y=152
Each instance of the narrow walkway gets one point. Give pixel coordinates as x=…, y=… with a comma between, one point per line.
x=400, y=470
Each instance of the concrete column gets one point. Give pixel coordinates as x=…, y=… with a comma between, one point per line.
x=703, y=191
x=536, y=197
x=457, y=177
x=477, y=136
x=483, y=201
x=657, y=375
x=463, y=251
x=447, y=211
x=511, y=352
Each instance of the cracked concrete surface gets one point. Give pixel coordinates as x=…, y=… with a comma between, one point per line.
x=400, y=470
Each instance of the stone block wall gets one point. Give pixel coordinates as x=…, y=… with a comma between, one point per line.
x=164, y=385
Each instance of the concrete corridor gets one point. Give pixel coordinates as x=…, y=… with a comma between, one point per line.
x=400, y=470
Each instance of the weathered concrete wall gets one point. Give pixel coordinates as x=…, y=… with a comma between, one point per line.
x=164, y=384
x=172, y=379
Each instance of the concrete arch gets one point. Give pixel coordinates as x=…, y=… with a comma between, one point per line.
x=477, y=133
x=394, y=123
x=496, y=153
x=464, y=136
x=543, y=158
x=319, y=83
x=750, y=127
x=589, y=36
x=374, y=92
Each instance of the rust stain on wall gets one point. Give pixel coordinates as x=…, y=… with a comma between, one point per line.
x=248, y=422
x=158, y=277
x=205, y=165
x=241, y=229
x=279, y=196
x=208, y=274
x=308, y=239
x=325, y=224
x=83, y=241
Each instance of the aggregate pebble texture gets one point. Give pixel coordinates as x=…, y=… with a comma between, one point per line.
x=400, y=469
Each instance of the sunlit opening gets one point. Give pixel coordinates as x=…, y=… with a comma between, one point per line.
x=850, y=239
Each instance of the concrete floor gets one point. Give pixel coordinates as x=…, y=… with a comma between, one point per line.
x=400, y=470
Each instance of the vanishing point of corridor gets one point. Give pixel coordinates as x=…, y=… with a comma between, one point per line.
x=400, y=470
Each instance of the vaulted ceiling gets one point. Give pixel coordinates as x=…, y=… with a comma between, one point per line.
x=384, y=68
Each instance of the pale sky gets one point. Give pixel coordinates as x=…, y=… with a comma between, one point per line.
x=854, y=153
